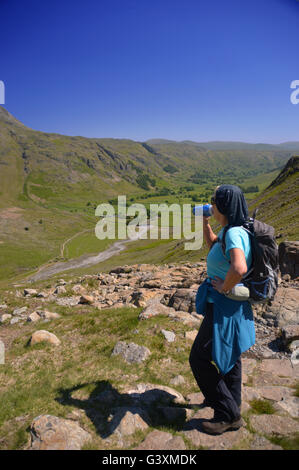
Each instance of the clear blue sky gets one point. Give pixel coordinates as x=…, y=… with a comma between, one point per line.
x=140, y=69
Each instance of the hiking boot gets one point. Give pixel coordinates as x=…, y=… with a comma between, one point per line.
x=215, y=426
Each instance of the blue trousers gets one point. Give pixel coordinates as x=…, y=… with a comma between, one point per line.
x=221, y=392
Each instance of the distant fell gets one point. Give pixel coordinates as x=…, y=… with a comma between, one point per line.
x=232, y=145
x=228, y=145
x=294, y=146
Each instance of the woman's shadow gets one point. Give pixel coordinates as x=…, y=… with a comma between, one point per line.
x=106, y=407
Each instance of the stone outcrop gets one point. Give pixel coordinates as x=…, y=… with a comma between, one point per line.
x=167, y=290
x=183, y=299
x=30, y=292
x=290, y=333
x=154, y=307
x=284, y=309
x=274, y=425
x=148, y=394
x=168, y=335
x=5, y=317
x=53, y=433
x=41, y=336
x=127, y=421
x=131, y=352
x=289, y=258
x=42, y=315
x=199, y=439
x=159, y=440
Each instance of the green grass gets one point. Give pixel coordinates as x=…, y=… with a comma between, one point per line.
x=287, y=443
x=33, y=379
x=85, y=243
x=296, y=387
x=23, y=251
x=261, y=407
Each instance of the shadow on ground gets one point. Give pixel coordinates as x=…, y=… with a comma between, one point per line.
x=106, y=407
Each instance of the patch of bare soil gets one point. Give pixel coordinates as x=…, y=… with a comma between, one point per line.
x=11, y=213
x=8, y=335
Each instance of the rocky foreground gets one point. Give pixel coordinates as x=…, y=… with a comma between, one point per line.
x=270, y=367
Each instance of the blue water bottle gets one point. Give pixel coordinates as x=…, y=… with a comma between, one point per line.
x=206, y=210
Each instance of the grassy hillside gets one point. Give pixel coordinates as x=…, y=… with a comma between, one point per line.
x=68, y=172
x=279, y=203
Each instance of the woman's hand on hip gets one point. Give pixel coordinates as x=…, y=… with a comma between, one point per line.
x=217, y=283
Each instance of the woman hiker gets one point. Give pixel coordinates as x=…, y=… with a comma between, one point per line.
x=227, y=328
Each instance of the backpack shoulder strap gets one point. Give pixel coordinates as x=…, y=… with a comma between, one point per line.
x=223, y=246
x=246, y=227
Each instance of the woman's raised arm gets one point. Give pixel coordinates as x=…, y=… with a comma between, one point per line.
x=208, y=233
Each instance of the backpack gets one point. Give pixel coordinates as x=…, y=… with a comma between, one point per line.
x=262, y=278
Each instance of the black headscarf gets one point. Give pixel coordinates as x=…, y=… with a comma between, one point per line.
x=230, y=201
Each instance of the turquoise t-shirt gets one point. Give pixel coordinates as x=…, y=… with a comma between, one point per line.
x=217, y=263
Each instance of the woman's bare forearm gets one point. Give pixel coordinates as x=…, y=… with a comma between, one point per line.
x=231, y=279
x=208, y=233
x=237, y=269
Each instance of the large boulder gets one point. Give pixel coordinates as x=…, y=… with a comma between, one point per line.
x=131, y=352
x=28, y=292
x=52, y=433
x=5, y=317
x=289, y=258
x=290, y=333
x=284, y=309
x=60, y=290
x=127, y=421
x=274, y=425
x=155, y=307
x=19, y=311
x=160, y=440
x=149, y=394
x=183, y=299
x=121, y=269
x=68, y=301
x=79, y=289
x=48, y=315
x=44, y=336
x=141, y=297
x=168, y=335
x=33, y=317
x=86, y=299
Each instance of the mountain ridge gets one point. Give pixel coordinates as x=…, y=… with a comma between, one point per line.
x=97, y=167
x=212, y=144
